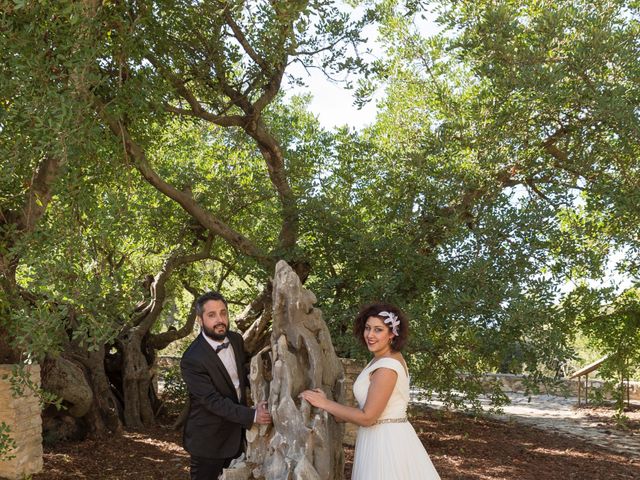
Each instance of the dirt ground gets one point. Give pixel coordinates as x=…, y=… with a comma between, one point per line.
x=605, y=416
x=461, y=448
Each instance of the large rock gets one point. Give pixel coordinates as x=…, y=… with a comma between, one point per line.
x=303, y=443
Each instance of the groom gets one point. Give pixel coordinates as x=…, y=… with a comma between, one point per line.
x=213, y=367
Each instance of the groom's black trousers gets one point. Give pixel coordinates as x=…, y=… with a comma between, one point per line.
x=209, y=468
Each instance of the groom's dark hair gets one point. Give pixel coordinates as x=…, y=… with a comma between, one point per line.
x=204, y=298
x=373, y=310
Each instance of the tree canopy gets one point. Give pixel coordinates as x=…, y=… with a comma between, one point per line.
x=150, y=154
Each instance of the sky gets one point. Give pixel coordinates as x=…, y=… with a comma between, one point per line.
x=332, y=103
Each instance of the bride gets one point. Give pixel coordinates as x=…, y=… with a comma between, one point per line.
x=387, y=447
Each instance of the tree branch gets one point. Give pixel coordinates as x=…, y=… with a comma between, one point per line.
x=158, y=286
x=271, y=89
x=164, y=339
x=242, y=40
x=196, y=107
x=40, y=191
x=184, y=199
x=222, y=120
x=35, y=204
x=277, y=173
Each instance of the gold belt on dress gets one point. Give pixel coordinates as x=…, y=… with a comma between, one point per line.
x=392, y=420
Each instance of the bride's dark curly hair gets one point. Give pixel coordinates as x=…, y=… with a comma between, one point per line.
x=373, y=310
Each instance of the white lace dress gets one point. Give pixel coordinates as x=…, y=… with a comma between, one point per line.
x=390, y=449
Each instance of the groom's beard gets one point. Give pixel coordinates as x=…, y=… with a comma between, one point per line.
x=218, y=336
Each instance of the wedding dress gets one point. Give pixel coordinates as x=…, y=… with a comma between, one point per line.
x=390, y=449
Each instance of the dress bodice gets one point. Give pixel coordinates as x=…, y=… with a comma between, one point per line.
x=397, y=404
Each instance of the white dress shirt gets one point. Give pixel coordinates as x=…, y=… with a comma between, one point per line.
x=227, y=356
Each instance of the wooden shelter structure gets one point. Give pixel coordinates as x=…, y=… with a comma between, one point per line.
x=625, y=384
x=584, y=372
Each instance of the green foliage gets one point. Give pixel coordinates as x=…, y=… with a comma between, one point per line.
x=502, y=164
x=512, y=134
x=7, y=444
x=23, y=385
x=175, y=394
x=614, y=329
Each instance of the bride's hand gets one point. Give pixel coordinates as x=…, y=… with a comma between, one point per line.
x=315, y=397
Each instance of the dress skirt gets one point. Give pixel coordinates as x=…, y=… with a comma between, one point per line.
x=391, y=451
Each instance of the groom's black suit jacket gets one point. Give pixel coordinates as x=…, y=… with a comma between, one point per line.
x=217, y=417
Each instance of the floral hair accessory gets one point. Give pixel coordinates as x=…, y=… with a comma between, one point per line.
x=391, y=320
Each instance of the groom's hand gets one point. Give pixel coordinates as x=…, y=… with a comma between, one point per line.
x=263, y=417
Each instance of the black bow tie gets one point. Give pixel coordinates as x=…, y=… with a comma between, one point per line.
x=222, y=346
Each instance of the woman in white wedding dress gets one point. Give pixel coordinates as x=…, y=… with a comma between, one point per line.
x=387, y=447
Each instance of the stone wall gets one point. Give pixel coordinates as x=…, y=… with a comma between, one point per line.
x=22, y=414
x=352, y=369
x=515, y=383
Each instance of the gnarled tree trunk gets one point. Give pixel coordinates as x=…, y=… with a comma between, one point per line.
x=136, y=382
x=303, y=443
x=79, y=378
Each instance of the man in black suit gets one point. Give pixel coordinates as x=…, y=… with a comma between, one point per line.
x=213, y=367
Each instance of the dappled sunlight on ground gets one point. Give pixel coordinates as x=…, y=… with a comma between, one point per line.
x=461, y=447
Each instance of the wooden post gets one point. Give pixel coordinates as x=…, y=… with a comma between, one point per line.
x=628, y=384
x=586, y=389
x=579, y=390
x=628, y=392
